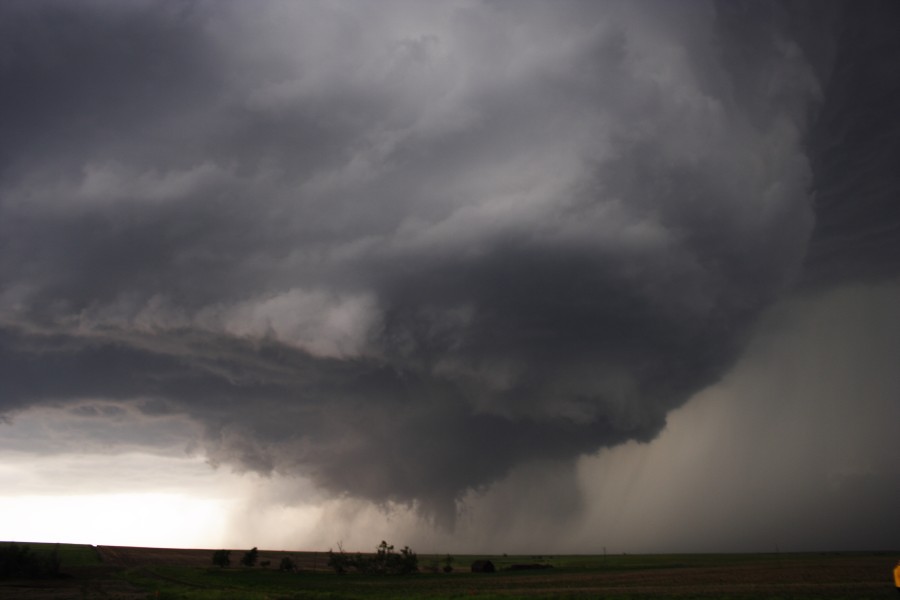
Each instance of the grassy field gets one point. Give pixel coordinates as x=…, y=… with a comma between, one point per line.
x=151, y=573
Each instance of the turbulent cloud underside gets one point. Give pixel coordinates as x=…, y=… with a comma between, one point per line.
x=396, y=248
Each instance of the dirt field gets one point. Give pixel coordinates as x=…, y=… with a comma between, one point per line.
x=850, y=578
x=127, y=557
x=104, y=581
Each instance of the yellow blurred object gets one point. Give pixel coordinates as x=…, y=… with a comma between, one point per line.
x=897, y=575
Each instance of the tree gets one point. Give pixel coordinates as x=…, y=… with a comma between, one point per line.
x=384, y=562
x=408, y=563
x=384, y=557
x=340, y=561
x=221, y=558
x=249, y=558
x=287, y=564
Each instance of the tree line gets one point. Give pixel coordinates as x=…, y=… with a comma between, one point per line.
x=385, y=561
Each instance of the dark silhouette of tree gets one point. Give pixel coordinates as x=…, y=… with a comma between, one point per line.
x=384, y=562
x=287, y=564
x=448, y=564
x=221, y=558
x=340, y=561
x=249, y=558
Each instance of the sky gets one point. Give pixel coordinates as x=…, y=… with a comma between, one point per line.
x=471, y=276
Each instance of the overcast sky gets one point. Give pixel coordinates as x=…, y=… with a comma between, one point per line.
x=465, y=275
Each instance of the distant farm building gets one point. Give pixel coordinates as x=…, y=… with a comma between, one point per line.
x=483, y=566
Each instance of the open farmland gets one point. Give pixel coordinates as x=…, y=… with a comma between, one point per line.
x=143, y=573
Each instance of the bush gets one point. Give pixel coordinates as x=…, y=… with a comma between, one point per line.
x=222, y=558
x=287, y=564
x=249, y=558
x=341, y=561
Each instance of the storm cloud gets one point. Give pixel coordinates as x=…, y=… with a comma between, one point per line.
x=402, y=249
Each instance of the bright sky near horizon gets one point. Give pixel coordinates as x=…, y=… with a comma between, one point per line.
x=470, y=276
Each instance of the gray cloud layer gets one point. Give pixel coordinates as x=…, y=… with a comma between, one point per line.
x=401, y=248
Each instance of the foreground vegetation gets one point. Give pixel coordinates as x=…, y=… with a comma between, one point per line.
x=139, y=573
